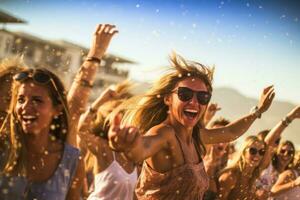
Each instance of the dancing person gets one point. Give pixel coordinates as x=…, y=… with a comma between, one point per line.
x=239, y=180
x=166, y=131
x=114, y=176
x=41, y=164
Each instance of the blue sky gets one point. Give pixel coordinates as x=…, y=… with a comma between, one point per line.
x=251, y=43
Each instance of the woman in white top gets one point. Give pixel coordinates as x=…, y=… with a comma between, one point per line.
x=114, y=176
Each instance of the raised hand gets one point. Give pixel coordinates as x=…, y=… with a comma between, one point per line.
x=294, y=114
x=210, y=112
x=121, y=138
x=107, y=95
x=266, y=99
x=101, y=39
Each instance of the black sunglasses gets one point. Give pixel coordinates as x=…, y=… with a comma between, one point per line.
x=289, y=152
x=253, y=151
x=186, y=94
x=39, y=77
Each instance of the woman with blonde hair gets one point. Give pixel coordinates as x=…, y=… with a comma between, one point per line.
x=238, y=181
x=167, y=132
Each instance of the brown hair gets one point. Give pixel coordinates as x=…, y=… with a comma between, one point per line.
x=275, y=157
x=16, y=161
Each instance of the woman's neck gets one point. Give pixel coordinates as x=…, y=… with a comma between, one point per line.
x=248, y=170
x=37, y=144
x=182, y=132
x=281, y=167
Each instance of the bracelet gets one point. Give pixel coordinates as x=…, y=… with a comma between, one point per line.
x=254, y=111
x=84, y=83
x=286, y=121
x=92, y=110
x=93, y=59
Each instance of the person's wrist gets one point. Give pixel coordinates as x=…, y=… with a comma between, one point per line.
x=94, y=59
x=256, y=112
x=286, y=121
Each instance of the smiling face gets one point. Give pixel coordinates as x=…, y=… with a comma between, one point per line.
x=34, y=108
x=254, y=153
x=187, y=113
x=285, y=154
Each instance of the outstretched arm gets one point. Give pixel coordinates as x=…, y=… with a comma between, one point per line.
x=80, y=90
x=285, y=182
x=275, y=134
x=235, y=129
x=138, y=147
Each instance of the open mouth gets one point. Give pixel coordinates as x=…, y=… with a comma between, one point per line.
x=190, y=113
x=29, y=119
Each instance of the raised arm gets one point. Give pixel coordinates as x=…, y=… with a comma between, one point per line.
x=80, y=90
x=235, y=129
x=285, y=182
x=138, y=147
x=88, y=116
x=275, y=134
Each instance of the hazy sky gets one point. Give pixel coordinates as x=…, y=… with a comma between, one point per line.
x=251, y=43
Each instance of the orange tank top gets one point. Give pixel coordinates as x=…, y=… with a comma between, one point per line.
x=188, y=181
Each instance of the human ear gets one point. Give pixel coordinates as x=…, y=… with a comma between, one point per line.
x=167, y=100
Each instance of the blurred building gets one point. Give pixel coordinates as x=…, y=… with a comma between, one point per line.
x=62, y=57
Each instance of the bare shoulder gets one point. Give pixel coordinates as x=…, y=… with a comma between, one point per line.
x=163, y=130
x=228, y=177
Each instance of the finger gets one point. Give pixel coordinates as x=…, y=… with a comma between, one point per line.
x=267, y=89
x=272, y=96
x=107, y=28
x=116, y=122
x=132, y=133
x=122, y=134
x=270, y=92
x=114, y=31
x=219, y=108
x=102, y=28
x=98, y=28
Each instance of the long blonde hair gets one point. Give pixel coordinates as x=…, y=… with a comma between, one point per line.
x=150, y=109
x=239, y=162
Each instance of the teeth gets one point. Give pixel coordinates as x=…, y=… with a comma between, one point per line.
x=29, y=117
x=191, y=110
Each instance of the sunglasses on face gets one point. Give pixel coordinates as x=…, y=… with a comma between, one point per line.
x=186, y=94
x=284, y=151
x=41, y=78
x=253, y=151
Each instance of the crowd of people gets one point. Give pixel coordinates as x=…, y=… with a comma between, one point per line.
x=163, y=144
